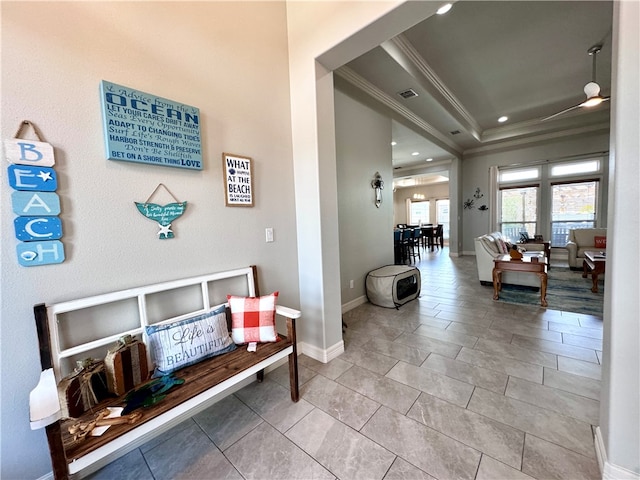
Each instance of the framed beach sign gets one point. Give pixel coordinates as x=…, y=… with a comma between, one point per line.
x=238, y=180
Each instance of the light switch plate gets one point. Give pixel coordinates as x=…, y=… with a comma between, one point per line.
x=269, y=234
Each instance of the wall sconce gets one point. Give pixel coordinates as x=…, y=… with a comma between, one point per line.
x=378, y=185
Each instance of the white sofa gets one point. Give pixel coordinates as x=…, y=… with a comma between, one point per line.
x=492, y=245
x=580, y=241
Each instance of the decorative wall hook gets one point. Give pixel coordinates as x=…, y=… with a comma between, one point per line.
x=478, y=195
x=378, y=185
x=164, y=215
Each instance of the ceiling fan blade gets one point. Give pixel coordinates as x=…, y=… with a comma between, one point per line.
x=566, y=110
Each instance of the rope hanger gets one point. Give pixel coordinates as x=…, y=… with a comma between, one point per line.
x=27, y=123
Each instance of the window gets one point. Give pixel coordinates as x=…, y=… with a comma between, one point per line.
x=419, y=213
x=518, y=211
x=442, y=214
x=575, y=168
x=550, y=199
x=519, y=174
x=573, y=205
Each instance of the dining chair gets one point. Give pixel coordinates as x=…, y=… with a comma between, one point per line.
x=427, y=237
x=414, y=243
x=439, y=236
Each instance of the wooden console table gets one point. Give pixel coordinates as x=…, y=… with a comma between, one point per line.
x=537, y=265
x=594, y=263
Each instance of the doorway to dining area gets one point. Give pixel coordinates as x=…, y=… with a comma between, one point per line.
x=419, y=203
x=412, y=243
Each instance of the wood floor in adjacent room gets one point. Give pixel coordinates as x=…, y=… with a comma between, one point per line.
x=451, y=385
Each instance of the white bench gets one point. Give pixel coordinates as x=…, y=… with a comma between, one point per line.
x=77, y=329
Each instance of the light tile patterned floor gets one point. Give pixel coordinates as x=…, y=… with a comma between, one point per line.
x=452, y=385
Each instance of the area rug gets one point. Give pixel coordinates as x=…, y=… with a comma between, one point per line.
x=566, y=290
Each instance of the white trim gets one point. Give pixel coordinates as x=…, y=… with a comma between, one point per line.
x=609, y=470
x=356, y=302
x=324, y=356
x=470, y=252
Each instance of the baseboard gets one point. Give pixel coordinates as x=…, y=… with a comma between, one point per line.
x=324, y=356
x=471, y=252
x=354, y=303
x=608, y=470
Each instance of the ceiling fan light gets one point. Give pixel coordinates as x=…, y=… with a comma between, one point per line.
x=591, y=89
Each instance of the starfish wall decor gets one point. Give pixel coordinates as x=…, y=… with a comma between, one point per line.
x=164, y=215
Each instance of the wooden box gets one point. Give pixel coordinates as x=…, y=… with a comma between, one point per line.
x=126, y=365
x=83, y=389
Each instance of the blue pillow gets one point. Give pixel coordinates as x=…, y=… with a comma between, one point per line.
x=186, y=342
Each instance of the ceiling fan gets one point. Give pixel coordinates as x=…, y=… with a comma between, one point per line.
x=591, y=89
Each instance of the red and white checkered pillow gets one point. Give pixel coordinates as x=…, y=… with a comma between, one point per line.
x=253, y=319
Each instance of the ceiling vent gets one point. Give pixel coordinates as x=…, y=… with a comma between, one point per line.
x=455, y=132
x=408, y=93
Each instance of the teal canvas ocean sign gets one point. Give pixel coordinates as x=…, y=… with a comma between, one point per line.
x=143, y=128
x=164, y=215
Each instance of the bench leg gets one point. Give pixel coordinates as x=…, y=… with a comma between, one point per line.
x=293, y=376
x=260, y=376
x=56, y=449
x=293, y=360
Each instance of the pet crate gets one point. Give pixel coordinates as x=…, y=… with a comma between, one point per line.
x=393, y=285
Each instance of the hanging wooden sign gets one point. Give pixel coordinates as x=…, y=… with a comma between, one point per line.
x=29, y=152
x=32, y=254
x=164, y=215
x=26, y=177
x=34, y=202
x=143, y=128
x=37, y=228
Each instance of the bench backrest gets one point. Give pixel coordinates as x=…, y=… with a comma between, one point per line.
x=88, y=327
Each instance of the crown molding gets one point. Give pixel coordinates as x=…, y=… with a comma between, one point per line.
x=602, y=127
x=406, y=56
x=492, y=140
x=431, y=133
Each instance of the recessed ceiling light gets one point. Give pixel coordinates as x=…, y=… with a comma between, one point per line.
x=503, y=119
x=444, y=9
x=393, y=144
x=415, y=153
x=429, y=159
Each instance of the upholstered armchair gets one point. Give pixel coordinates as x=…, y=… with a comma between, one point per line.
x=582, y=240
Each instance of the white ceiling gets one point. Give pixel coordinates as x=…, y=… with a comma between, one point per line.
x=481, y=60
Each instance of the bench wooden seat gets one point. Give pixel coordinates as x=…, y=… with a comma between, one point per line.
x=205, y=382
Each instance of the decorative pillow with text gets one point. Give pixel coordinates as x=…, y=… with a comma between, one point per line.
x=600, y=242
x=253, y=319
x=179, y=344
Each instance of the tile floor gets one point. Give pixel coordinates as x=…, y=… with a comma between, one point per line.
x=452, y=385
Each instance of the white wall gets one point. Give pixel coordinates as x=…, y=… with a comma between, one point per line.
x=475, y=173
x=620, y=397
x=363, y=147
x=230, y=60
x=431, y=192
